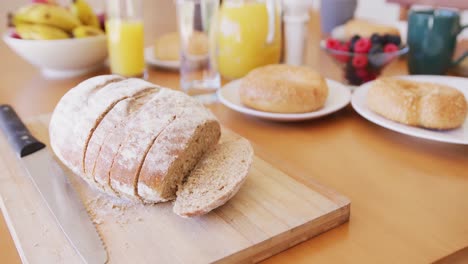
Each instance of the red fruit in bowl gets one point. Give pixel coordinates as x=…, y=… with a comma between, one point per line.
x=49, y=2
x=390, y=47
x=333, y=44
x=342, y=57
x=14, y=34
x=344, y=47
x=369, y=77
x=102, y=20
x=359, y=61
x=362, y=73
x=363, y=45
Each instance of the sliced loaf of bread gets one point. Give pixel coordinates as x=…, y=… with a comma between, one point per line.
x=216, y=178
x=138, y=141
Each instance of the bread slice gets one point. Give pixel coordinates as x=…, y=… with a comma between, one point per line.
x=216, y=178
x=176, y=151
x=112, y=143
x=114, y=122
x=365, y=28
x=141, y=132
x=428, y=105
x=62, y=127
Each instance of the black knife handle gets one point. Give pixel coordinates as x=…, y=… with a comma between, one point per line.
x=17, y=133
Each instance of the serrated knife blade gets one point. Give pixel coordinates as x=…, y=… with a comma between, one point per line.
x=54, y=186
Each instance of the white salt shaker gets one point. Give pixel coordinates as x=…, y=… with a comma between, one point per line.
x=295, y=20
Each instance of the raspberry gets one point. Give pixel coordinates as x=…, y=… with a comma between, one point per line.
x=369, y=77
x=359, y=61
x=344, y=47
x=390, y=47
x=342, y=57
x=363, y=45
x=14, y=34
x=333, y=44
x=362, y=73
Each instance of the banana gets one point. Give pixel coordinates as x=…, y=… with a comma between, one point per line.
x=82, y=10
x=40, y=32
x=86, y=31
x=51, y=15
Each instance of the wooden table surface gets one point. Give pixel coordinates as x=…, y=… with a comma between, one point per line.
x=409, y=196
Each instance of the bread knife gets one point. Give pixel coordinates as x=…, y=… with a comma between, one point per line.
x=54, y=187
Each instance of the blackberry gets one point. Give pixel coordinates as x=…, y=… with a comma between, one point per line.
x=386, y=39
x=350, y=75
x=395, y=39
x=353, y=40
x=376, y=39
x=376, y=48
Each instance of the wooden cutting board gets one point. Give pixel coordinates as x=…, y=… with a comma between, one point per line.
x=271, y=213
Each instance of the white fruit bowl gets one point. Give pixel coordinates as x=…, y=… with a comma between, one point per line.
x=62, y=58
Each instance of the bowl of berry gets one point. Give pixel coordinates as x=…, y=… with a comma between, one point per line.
x=363, y=59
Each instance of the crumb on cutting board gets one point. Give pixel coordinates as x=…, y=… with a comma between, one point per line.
x=105, y=209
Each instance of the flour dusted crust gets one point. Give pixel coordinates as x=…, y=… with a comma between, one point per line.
x=423, y=104
x=366, y=28
x=114, y=122
x=283, y=89
x=68, y=111
x=113, y=129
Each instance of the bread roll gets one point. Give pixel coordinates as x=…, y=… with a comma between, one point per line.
x=366, y=28
x=423, y=104
x=138, y=141
x=284, y=88
x=167, y=47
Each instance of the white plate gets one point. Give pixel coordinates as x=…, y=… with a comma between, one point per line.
x=166, y=64
x=338, y=97
x=457, y=136
x=151, y=60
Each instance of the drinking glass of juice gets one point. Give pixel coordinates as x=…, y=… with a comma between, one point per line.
x=125, y=41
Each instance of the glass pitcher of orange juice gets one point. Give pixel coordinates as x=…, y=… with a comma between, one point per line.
x=248, y=36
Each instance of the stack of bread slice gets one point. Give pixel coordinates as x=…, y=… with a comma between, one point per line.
x=138, y=141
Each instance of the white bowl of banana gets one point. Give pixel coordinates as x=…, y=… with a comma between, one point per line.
x=61, y=42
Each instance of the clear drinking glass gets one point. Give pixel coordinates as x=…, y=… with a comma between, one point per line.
x=197, y=28
x=125, y=37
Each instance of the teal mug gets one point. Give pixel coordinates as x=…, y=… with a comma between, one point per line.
x=432, y=37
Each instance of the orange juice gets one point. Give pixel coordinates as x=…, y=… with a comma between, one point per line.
x=126, y=47
x=242, y=38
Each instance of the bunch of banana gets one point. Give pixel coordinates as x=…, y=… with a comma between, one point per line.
x=50, y=21
x=45, y=14
x=86, y=31
x=38, y=31
x=85, y=13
